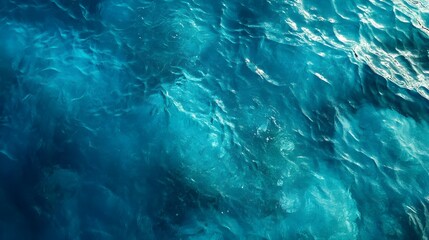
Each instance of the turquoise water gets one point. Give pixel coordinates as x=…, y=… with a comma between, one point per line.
x=254, y=119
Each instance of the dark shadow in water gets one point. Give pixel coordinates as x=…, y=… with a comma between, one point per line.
x=7, y=82
x=381, y=93
x=18, y=184
x=175, y=204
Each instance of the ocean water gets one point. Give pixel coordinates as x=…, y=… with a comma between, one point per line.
x=197, y=119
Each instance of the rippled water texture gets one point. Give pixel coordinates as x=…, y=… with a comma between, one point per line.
x=254, y=119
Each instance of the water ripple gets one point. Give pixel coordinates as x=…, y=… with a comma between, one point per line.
x=191, y=119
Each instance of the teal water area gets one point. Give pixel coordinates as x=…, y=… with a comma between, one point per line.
x=254, y=119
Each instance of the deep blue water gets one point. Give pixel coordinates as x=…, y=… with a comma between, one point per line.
x=251, y=119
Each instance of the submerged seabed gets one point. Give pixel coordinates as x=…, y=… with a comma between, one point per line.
x=297, y=119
